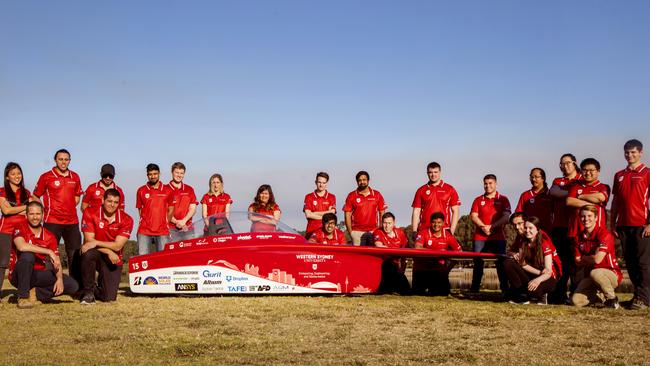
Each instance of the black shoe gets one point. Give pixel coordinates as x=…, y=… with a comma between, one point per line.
x=543, y=300
x=612, y=303
x=520, y=300
x=638, y=304
x=88, y=299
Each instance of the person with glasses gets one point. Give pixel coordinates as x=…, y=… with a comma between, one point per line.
x=94, y=194
x=588, y=191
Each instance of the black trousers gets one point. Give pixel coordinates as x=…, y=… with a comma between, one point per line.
x=392, y=279
x=72, y=241
x=519, y=279
x=565, y=250
x=5, y=249
x=25, y=277
x=636, y=251
x=433, y=280
x=108, y=280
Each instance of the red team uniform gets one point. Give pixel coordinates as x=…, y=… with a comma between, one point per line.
x=432, y=276
x=316, y=203
x=397, y=241
x=320, y=237
x=560, y=210
x=94, y=195
x=93, y=221
x=538, y=204
x=216, y=203
x=44, y=240
x=578, y=189
x=490, y=210
x=8, y=223
x=600, y=240
x=631, y=187
x=58, y=194
x=153, y=203
x=435, y=198
x=365, y=209
x=184, y=196
x=261, y=226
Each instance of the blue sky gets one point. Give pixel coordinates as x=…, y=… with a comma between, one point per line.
x=275, y=91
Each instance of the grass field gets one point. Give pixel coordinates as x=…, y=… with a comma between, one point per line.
x=359, y=330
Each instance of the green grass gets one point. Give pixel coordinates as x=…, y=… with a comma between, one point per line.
x=359, y=330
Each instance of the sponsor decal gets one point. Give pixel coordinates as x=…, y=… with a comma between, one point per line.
x=244, y=237
x=202, y=242
x=266, y=236
x=137, y=281
x=222, y=239
x=281, y=287
x=236, y=288
x=259, y=288
x=186, y=286
x=186, y=272
x=145, y=264
x=314, y=275
x=235, y=278
x=150, y=281
x=164, y=280
x=286, y=237
x=314, y=266
x=211, y=282
x=206, y=273
x=315, y=258
x=171, y=246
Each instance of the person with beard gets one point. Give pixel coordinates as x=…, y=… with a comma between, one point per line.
x=536, y=201
x=155, y=204
x=328, y=233
x=35, y=268
x=106, y=229
x=363, y=208
x=94, y=195
x=13, y=200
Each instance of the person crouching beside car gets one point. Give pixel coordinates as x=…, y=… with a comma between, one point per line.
x=328, y=234
x=106, y=229
x=596, y=261
x=392, y=270
x=35, y=267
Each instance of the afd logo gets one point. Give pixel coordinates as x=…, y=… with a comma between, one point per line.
x=207, y=274
x=235, y=278
x=236, y=288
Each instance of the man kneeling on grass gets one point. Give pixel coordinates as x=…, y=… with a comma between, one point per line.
x=106, y=229
x=596, y=261
x=35, y=267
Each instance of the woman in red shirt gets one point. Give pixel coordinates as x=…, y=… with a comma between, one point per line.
x=535, y=271
x=264, y=204
x=13, y=198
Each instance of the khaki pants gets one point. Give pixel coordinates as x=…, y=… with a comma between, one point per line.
x=600, y=283
x=356, y=237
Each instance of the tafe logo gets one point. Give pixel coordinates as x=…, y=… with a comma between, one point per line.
x=208, y=274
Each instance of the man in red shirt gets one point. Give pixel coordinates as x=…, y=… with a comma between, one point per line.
x=588, y=191
x=155, y=204
x=363, y=208
x=490, y=211
x=559, y=191
x=35, y=262
x=392, y=270
x=106, y=229
x=95, y=192
x=328, y=233
x=595, y=256
x=185, y=203
x=630, y=220
x=318, y=203
x=435, y=196
x=60, y=191
x=432, y=276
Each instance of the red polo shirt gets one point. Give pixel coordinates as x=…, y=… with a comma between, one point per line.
x=316, y=203
x=600, y=240
x=45, y=239
x=94, y=221
x=538, y=204
x=153, y=204
x=365, y=209
x=8, y=223
x=399, y=239
x=631, y=191
x=578, y=189
x=319, y=237
x=94, y=195
x=560, y=209
x=58, y=194
x=183, y=197
x=445, y=242
x=260, y=226
x=490, y=210
x=216, y=203
x=435, y=198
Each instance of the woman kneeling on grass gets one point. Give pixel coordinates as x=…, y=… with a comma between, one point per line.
x=596, y=261
x=534, y=272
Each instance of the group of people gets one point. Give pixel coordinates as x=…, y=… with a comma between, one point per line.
x=562, y=237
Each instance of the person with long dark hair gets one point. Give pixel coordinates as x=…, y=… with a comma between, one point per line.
x=264, y=204
x=535, y=271
x=13, y=198
x=536, y=201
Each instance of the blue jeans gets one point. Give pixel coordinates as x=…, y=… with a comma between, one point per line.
x=145, y=241
x=486, y=246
